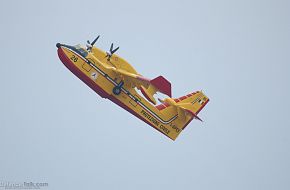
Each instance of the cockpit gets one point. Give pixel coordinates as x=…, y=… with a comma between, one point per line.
x=79, y=49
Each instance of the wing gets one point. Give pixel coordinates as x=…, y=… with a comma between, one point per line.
x=131, y=79
x=148, y=87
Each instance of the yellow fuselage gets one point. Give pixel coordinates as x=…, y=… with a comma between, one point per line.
x=92, y=69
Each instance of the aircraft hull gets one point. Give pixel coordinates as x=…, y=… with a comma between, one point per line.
x=102, y=81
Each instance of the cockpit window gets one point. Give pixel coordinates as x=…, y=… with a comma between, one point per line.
x=77, y=49
x=81, y=51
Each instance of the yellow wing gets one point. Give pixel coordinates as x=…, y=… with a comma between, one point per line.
x=115, y=61
x=146, y=86
x=131, y=78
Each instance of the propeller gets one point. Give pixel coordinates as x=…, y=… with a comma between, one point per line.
x=90, y=45
x=111, y=52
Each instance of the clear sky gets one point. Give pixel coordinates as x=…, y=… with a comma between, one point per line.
x=54, y=129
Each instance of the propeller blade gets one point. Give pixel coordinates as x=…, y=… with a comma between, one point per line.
x=111, y=48
x=95, y=40
x=115, y=50
x=89, y=47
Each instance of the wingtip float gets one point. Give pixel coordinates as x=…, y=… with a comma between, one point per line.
x=112, y=77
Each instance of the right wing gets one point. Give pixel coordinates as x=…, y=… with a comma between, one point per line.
x=148, y=87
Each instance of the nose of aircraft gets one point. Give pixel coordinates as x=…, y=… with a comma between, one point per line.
x=62, y=56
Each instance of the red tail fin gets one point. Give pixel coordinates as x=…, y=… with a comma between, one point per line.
x=163, y=85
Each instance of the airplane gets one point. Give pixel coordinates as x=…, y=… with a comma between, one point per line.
x=115, y=79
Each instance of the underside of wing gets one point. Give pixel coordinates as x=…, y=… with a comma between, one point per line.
x=146, y=86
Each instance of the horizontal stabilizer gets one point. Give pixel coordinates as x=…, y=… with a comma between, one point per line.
x=191, y=112
x=191, y=103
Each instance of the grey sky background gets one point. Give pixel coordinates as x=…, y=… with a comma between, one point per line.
x=54, y=129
